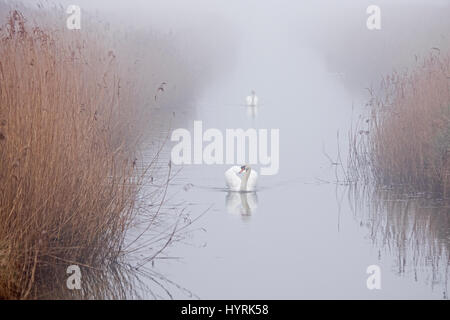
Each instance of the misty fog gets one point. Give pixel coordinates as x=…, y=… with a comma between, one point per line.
x=310, y=63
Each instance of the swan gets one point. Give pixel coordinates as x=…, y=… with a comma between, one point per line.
x=235, y=183
x=252, y=100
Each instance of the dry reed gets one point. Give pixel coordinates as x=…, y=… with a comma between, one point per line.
x=405, y=140
x=68, y=181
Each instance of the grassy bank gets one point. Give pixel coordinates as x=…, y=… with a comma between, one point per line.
x=404, y=141
x=68, y=137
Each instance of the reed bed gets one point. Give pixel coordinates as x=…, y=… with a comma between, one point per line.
x=69, y=131
x=404, y=141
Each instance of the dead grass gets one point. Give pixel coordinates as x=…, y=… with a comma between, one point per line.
x=68, y=180
x=405, y=139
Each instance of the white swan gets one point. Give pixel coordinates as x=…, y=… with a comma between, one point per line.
x=235, y=183
x=252, y=100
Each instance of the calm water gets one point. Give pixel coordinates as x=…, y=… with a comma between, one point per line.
x=300, y=235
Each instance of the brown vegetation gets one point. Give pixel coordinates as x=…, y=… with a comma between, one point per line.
x=68, y=177
x=405, y=141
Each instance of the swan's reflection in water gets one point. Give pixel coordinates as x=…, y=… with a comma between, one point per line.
x=252, y=111
x=241, y=203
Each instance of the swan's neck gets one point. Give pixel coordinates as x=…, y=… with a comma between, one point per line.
x=245, y=180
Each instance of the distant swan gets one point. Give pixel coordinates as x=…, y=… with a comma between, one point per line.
x=252, y=100
x=235, y=183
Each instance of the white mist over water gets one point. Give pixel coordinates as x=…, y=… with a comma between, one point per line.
x=309, y=64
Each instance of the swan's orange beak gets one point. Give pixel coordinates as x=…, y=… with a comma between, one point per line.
x=242, y=169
